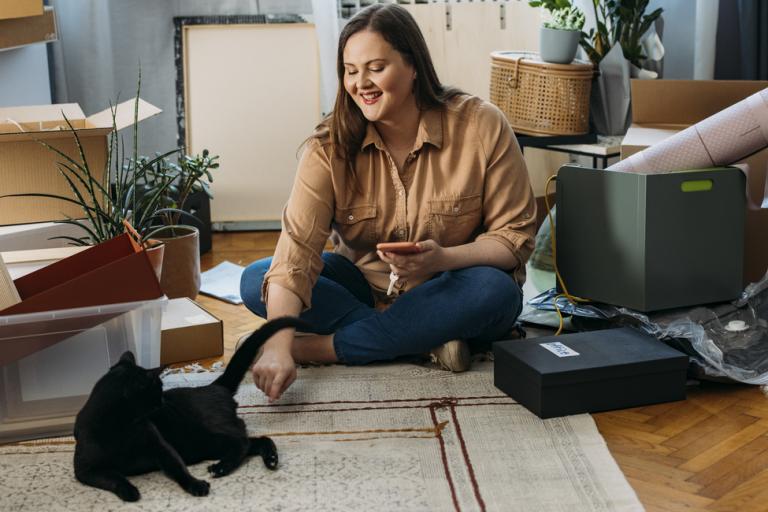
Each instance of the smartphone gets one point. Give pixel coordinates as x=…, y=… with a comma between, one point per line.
x=398, y=247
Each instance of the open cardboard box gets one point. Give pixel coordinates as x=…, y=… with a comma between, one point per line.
x=661, y=108
x=28, y=167
x=189, y=332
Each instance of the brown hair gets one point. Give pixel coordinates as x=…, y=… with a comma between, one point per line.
x=345, y=127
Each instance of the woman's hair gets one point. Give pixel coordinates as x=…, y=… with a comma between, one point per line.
x=346, y=125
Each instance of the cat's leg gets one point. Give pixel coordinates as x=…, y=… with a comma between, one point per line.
x=172, y=465
x=233, y=451
x=109, y=480
x=266, y=448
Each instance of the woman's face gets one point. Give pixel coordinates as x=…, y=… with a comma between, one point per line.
x=376, y=77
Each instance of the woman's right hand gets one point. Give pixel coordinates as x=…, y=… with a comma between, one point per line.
x=275, y=370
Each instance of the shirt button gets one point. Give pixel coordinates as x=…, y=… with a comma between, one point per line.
x=402, y=232
x=400, y=193
x=455, y=209
x=351, y=217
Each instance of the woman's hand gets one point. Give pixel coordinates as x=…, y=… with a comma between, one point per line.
x=429, y=261
x=275, y=370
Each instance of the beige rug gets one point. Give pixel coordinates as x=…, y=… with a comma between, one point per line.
x=389, y=437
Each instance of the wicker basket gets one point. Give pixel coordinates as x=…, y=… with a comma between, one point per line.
x=540, y=98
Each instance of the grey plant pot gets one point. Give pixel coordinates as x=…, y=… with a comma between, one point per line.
x=558, y=46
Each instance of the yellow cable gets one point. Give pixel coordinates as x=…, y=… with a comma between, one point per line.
x=572, y=299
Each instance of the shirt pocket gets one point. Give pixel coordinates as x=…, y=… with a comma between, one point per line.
x=455, y=221
x=356, y=225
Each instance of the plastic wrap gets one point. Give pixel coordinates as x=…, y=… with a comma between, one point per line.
x=724, y=340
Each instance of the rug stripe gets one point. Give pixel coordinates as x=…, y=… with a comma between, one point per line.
x=468, y=463
x=444, y=456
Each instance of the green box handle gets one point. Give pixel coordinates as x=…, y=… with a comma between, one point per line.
x=696, y=186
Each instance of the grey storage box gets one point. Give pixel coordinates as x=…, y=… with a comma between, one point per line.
x=589, y=371
x=651, y=241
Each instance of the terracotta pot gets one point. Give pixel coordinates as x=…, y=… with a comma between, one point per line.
x=155, y=252
x=181, y=264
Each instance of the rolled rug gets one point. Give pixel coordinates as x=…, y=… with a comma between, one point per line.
x=721, y=139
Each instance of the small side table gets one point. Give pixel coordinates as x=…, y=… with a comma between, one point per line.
x=599, y=147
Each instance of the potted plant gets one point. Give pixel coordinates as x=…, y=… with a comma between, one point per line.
x=113, y=204
x=619, y=21
x=173, y=183
x=615, y=48
x=559, y=36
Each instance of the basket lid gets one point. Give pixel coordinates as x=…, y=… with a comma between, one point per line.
x=533, y=58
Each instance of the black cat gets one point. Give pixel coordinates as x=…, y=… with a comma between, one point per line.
x=129, y=426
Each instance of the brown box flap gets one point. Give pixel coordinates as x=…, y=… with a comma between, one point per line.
x=685, y=102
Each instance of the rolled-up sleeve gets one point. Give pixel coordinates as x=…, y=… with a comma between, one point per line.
x=509, y=207
x=306, y=223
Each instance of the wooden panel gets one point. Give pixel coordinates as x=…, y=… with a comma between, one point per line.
x=252, y=97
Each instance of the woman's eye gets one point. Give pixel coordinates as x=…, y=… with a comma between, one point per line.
x=377, y=70
x=351, y=72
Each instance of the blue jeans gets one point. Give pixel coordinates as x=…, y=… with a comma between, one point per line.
x=476, y=304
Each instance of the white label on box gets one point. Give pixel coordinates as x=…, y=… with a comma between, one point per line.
x=559, y=349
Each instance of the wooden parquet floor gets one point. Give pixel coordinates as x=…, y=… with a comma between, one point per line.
x=707, y=453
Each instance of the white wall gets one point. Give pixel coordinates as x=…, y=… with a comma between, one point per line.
x=24, y=73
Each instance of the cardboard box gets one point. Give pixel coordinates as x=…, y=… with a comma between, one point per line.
x=16, y=32
x=42, y=391
x=189, y=332
x=20, y=8
x=28, y=167
x=644, y=241
x=661, y=108
x=589, y=371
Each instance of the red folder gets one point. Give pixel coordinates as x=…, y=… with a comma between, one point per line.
x=115, y=271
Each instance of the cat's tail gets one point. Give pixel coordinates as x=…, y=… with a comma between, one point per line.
x=246, y=353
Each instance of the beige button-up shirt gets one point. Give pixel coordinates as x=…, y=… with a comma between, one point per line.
x=464, y=180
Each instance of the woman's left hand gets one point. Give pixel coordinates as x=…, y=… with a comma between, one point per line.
x=429, y=261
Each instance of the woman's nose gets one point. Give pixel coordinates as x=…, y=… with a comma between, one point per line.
x=363, y=80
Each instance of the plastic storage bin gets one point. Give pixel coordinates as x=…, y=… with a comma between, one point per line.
x=651, y=241
x=42, y=391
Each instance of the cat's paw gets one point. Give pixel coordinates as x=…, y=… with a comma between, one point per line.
x=127, y=492
x=219, y=469
x=269, y=454
x=197, y=487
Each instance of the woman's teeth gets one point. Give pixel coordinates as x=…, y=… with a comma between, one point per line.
x=371, y=97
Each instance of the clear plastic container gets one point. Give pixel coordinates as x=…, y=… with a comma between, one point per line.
x=50, y=361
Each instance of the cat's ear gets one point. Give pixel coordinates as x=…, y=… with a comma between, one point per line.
x=156, y=372
x=128, y=357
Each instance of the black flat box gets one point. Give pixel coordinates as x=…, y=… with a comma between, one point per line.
x=589, y=371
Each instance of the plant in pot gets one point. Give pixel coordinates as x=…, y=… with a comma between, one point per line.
x=191, y=174
x=559, y=36
x=616, y=47
x=110, y=201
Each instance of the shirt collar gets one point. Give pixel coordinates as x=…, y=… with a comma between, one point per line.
x=430, y=131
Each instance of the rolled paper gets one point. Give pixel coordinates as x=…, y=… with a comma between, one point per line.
x=721, y=139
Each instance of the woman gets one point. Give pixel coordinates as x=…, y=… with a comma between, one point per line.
x=401, y=158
